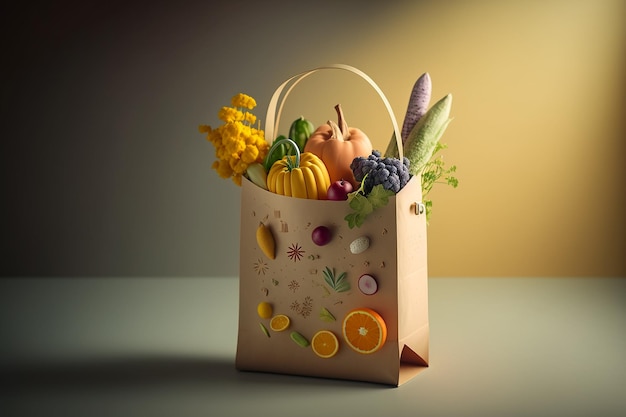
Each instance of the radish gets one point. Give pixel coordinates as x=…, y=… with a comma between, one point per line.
x=418, y=104
x=368, y=284
x=417, y=107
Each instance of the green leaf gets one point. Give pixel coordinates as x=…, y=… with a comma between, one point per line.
x=264, y=330
x=343, y=286
x=339, y=284
x=354, y=220
x=329, y=277
x=379, y=196
x=364, y=205
x=326, y=315
x=361, y=204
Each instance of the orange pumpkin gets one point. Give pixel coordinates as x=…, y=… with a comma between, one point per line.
x=337, y=145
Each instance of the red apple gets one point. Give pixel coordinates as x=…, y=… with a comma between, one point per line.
x=339, y=190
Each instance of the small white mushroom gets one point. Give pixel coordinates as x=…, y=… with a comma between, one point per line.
x=359, y=245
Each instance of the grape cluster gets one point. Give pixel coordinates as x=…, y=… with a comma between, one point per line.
x=392, y=173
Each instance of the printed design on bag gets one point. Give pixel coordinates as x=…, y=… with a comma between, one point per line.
x=303, y=308
x=322, y=235
x=325, y=344
x=326, y=315
x=265, y=240
x=265, y=310
x=264, y=329
x=339, y=283
x=299, y=339
x=260, y=267
x=368, y=284
x=359, y=245
x=280, y=322
x=293, y=285
x=316, y=283
x=295, y=252
x=364, y=330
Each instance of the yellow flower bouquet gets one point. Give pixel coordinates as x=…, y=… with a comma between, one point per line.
x=238, y=144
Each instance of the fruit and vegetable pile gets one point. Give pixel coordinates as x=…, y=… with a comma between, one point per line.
x=307, y=266
x=335, y=161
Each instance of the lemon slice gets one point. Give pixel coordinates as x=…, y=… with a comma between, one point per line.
x=279, y=322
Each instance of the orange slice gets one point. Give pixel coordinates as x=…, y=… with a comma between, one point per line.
x=325, y=344
x=279, y=322
x=364, y=330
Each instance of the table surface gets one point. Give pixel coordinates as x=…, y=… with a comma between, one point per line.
x=166, y=346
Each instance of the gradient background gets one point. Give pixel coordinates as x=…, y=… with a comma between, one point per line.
x=105, y=174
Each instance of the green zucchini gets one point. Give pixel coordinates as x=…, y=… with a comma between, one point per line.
x=300, y=131
x=425, y=135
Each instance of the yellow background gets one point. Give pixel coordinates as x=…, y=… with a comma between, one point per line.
x=537, y=133
x=106, y=174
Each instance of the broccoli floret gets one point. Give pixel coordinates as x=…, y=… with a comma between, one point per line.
x=392, y=173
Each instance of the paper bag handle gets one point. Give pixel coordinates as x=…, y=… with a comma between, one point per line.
x=276, y=103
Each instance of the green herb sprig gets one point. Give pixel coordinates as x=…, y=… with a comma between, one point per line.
x=436, y=172
x=340, y=283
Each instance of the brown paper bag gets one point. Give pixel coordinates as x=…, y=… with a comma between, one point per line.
x=317, y=287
